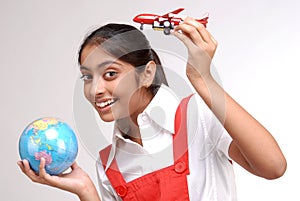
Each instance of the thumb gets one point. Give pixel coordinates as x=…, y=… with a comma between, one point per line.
x=75, y=166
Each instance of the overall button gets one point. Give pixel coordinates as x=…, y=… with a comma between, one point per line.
x=121, y=191
x=180, y=167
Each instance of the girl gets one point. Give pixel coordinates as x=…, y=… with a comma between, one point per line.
x=163, y=148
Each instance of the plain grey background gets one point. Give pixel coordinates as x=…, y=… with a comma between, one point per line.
x=257, y=61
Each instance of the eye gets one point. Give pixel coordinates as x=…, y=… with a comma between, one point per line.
x=86, y=78
x=110, y=74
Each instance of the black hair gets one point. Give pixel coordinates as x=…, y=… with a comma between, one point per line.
x=128, y=44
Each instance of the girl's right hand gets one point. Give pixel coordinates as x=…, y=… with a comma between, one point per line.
x=77, y=181
x=201, y=47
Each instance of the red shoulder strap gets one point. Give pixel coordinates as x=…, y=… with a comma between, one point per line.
x=104, y=154
x=180, y=141
x=181, y=112
x=113, y=173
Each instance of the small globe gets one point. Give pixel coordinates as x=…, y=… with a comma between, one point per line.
x=51, y=139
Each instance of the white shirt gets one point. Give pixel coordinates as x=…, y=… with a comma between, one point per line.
x=211, y=174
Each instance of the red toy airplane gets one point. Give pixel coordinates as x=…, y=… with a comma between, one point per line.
x=164, y=22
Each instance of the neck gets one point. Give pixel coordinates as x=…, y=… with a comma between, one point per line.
x=129, y=130
x=129, y=126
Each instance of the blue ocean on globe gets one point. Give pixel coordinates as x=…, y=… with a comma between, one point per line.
x=52, y=139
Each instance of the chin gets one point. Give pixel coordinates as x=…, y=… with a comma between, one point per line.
x=106, y=117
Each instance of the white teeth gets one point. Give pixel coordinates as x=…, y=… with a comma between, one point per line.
x=104, y=104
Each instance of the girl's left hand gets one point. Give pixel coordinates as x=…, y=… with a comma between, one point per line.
x=201, y=47
x=77, y=181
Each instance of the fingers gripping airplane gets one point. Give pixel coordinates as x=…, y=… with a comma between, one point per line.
x=164, y=22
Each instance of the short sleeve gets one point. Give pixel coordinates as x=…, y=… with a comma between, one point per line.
x=224, y=144
x=215, y=137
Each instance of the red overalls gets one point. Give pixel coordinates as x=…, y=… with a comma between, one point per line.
x=167, y=184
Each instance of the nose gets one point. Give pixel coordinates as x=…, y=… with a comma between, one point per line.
x=137, y=18
x=98, y=88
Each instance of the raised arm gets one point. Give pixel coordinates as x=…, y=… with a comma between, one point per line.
x=77, y=181
x=253, y=147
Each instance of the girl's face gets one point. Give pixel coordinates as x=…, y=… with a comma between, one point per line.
x=112, y=86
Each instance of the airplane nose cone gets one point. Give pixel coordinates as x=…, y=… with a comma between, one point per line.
x=136, y=19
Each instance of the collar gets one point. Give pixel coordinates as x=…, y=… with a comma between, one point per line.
x=162, y=108
x=160, y=113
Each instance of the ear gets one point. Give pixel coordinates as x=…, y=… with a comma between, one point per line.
x=148, y=74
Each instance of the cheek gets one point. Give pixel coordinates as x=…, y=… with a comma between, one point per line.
x=127, y=85
x=126, y=90
x=86, y=91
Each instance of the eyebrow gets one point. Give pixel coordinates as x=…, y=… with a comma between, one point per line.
x=105, y=63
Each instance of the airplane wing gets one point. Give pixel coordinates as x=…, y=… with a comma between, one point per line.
x=173, y=12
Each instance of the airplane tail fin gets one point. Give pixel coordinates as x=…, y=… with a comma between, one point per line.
x=204, y=19
x=206, y=15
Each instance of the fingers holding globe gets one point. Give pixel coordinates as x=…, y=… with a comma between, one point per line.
x=52, y=139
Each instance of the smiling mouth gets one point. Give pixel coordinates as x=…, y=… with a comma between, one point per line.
x=106, y=103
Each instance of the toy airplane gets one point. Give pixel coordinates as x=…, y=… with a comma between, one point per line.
x=164, y=22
